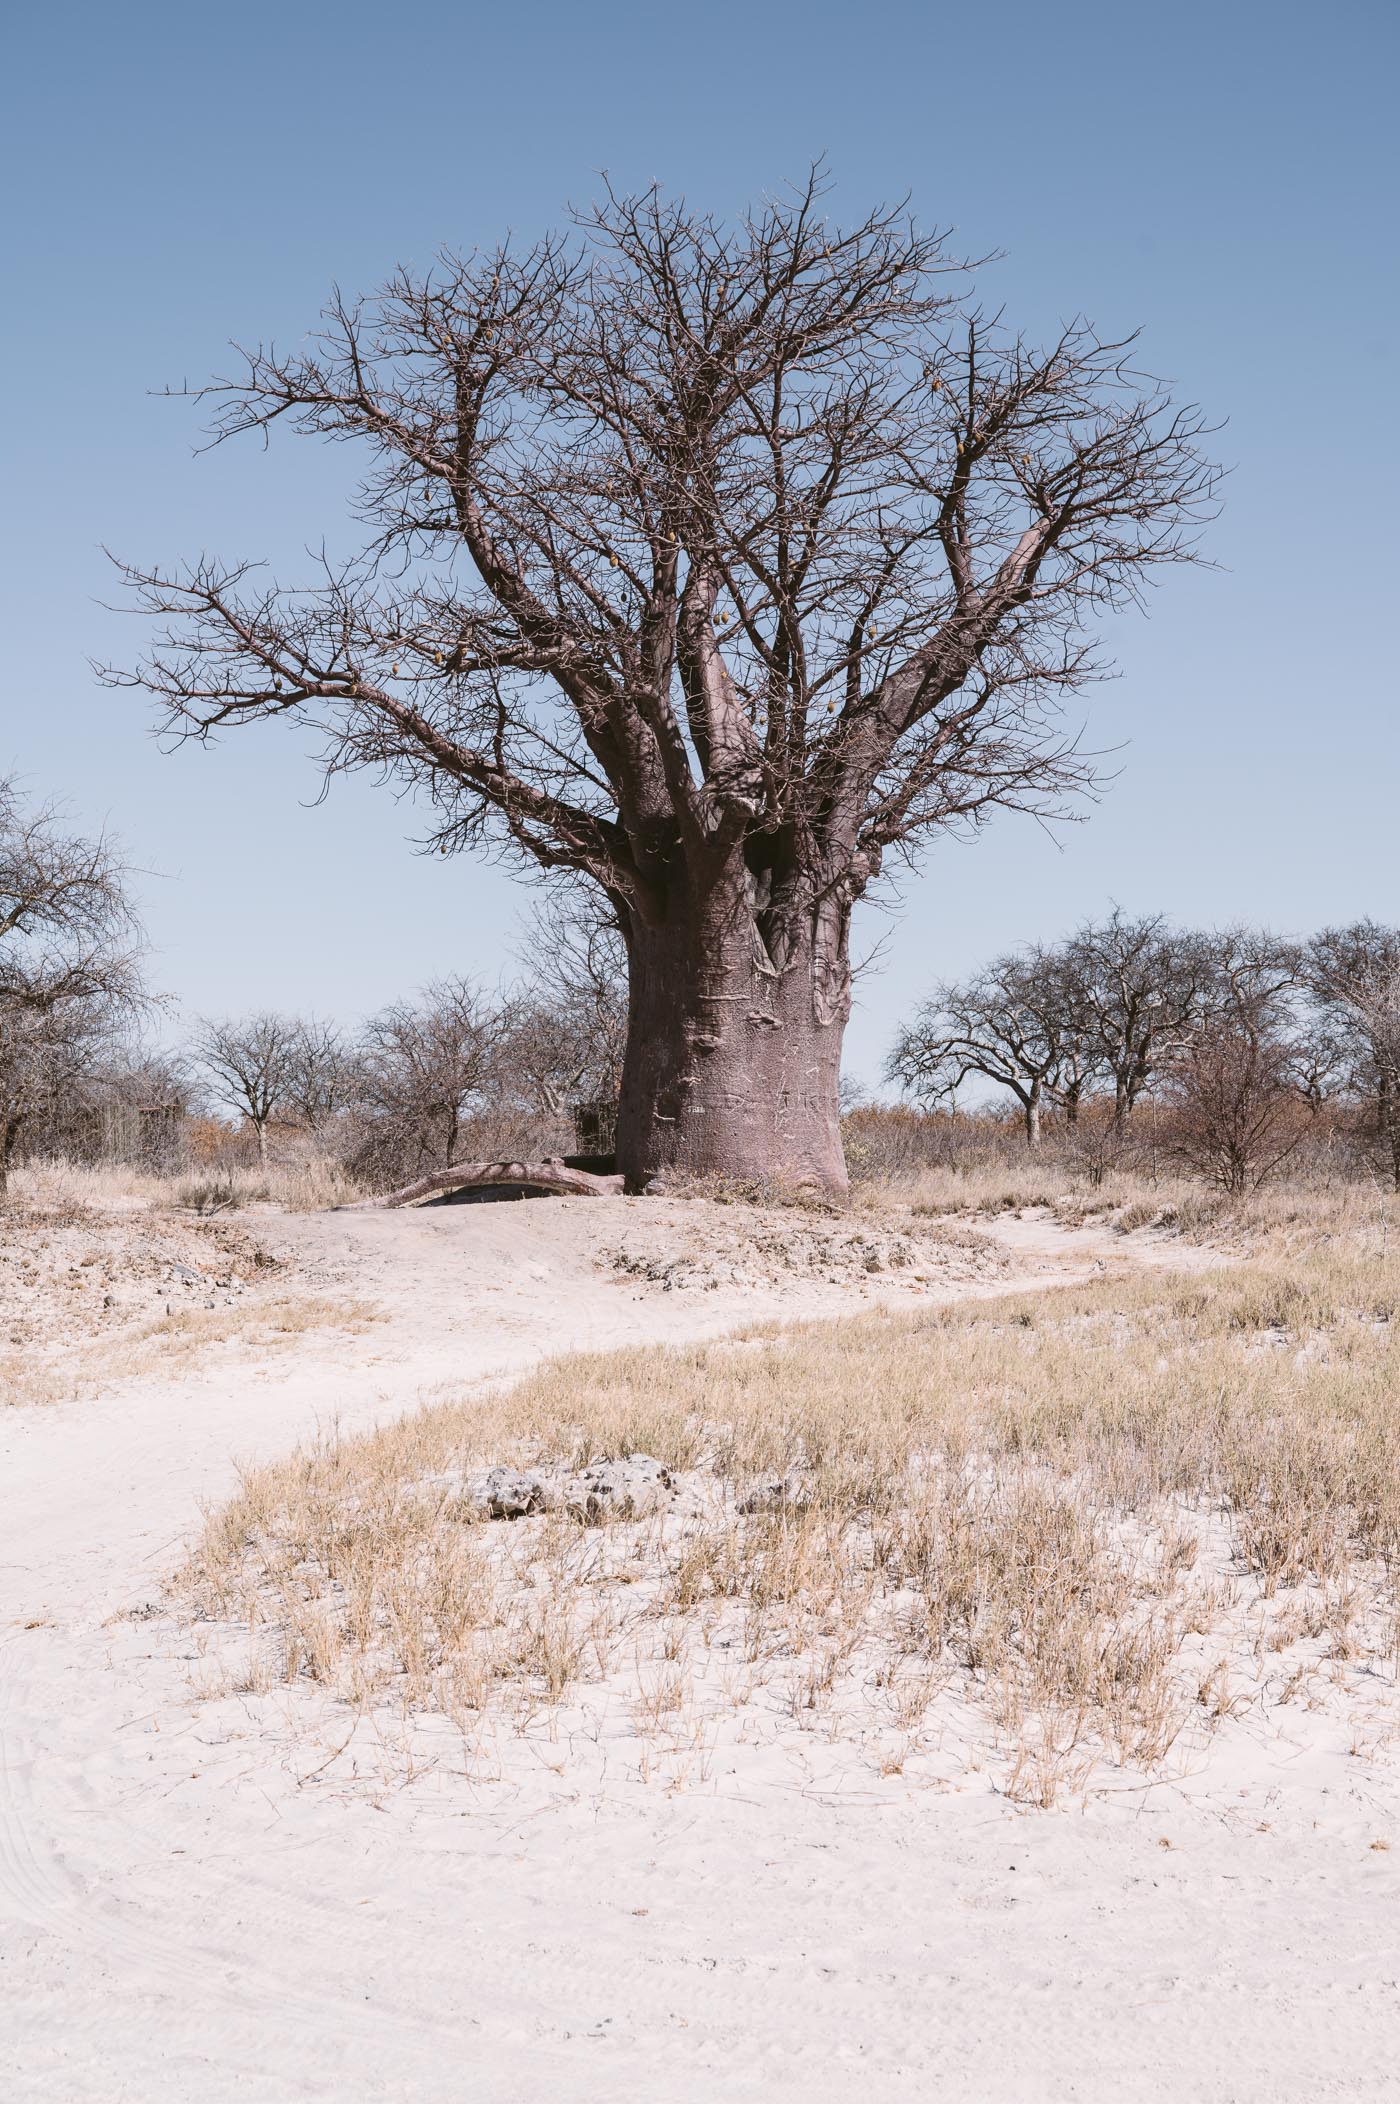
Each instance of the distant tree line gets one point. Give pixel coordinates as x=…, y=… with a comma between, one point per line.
x=400, y=1094
x=1245, y=1044
x=1241, y=1036
x=454, y=1071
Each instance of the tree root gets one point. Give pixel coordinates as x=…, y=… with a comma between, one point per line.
x=552, y=1174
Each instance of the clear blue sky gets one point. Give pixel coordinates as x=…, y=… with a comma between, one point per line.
x=1222, y=175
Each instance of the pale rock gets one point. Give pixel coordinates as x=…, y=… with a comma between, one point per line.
x=626, y=1489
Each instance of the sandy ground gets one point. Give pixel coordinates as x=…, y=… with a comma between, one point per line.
x=199, y=1901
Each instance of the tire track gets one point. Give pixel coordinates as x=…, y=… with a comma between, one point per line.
x=42, y=1895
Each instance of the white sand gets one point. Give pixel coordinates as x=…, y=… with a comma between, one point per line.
x=200, y=1901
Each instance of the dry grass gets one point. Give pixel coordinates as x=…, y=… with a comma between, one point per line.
x=264, y=1325
x=60, y=1189
x=1126, y=1201
x=306, y=1184
x=1081, y=1514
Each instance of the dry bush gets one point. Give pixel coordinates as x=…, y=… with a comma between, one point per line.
x=1044, y=1502
x=1237, y=1112
x=979, y=1158
x=307, y=1183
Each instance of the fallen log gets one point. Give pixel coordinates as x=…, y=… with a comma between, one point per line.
x=552, y=1174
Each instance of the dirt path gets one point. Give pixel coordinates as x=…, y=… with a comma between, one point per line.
x=192, y=1909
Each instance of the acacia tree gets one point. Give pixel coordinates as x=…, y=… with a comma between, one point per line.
x=251, y=1065
x=1013, y=1025
x=713, y=563
x=1141, y=987
x=1353, y=975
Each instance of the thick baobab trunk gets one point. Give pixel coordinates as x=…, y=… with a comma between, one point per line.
x=1390, y=1123
x=733, y=1061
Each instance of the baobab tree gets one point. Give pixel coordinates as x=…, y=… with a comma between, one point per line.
x=716, y=564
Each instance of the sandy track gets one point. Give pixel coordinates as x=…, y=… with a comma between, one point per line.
x=99, y=1492
x=195, y=1908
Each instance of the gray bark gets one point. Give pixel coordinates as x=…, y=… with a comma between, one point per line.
x=733, y=1059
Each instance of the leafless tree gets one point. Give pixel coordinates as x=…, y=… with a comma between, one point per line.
x=1121, y=1001
x=140, y=1074
x=250, y=1064
x=1353, y=975
x=716, y=564
x=565, y=1023
x=1053, y=987
x=1014, y=1024
x=324, y=1078
x=1141, y=988
x=426, y=1065
x=69, y=959
x=1322, y=1062
x=1249, y=979
x=1255, y=987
